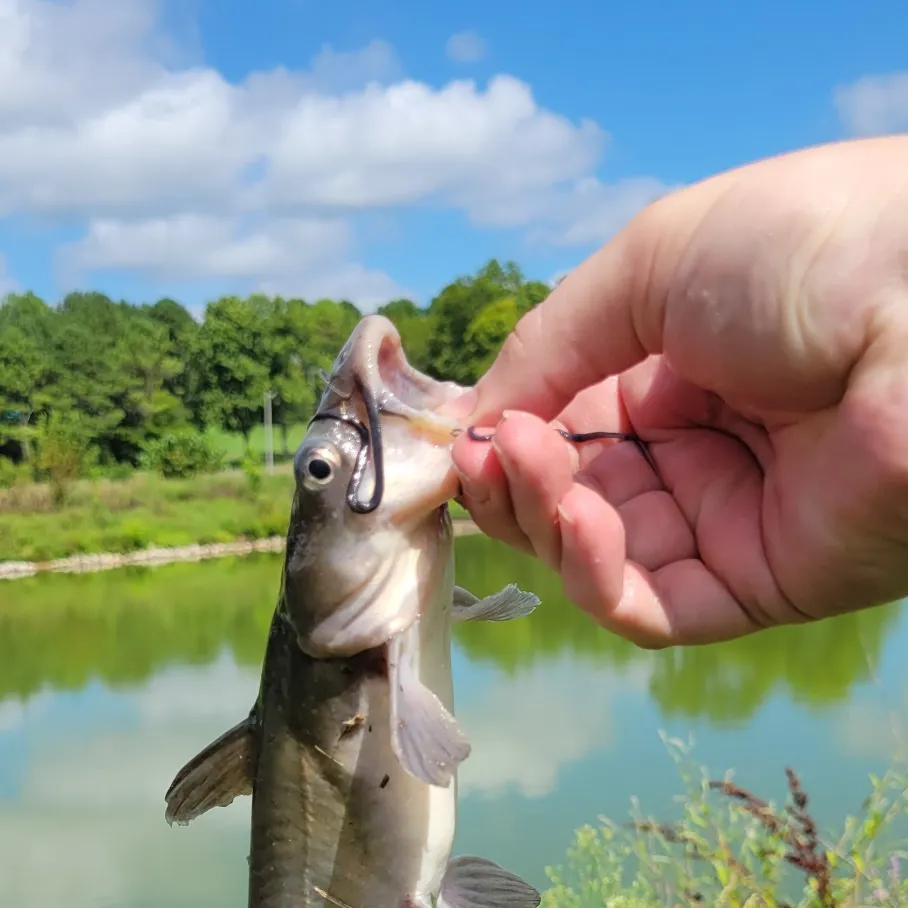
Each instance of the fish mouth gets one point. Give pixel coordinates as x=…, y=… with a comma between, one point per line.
x=373, y=362
x=371, y=379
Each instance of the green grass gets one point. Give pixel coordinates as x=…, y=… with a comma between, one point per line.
x=107, y=515
x=143, y=511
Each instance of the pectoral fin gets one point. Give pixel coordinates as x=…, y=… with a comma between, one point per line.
x=215, y=776
x=504, y=605
x=471, y=882
x=425, y=737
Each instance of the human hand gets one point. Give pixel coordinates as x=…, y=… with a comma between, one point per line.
x=753, y=330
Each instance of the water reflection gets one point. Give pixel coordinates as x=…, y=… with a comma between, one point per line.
x=81, y=819
x=109, y=682
x=122, y=627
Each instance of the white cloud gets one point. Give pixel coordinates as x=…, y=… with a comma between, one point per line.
x=190, y=245
x=592, y=211
x=504, y=725
x=175, y=171
x=369, y=288
x=874, y=105
x=402, y=144
x=292, y=257
x=875, y=729
x=466, y=47
x=587, y=212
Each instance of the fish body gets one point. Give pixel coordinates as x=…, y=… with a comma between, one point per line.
x=351, y=749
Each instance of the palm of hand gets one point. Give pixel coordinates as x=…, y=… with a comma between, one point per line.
x=783, y=495
x=746, y=525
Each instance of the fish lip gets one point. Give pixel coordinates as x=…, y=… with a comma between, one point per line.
x=373, y=361
x=372, y=369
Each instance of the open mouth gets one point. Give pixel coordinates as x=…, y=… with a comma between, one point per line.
x=371, y=378
x=403, y=391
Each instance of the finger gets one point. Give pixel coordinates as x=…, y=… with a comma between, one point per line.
x=680, y=603
x=539, y=465
x=484, y=490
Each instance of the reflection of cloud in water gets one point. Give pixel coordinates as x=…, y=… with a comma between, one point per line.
x=526, y=728
x=14, y=710
x=86, y=827
x=875, y=729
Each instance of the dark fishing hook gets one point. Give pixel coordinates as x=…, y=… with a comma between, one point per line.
x=370, y=438
x=580, y=437
x=376, y=444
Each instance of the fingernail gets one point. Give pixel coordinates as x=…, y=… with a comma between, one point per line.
x=565, y=521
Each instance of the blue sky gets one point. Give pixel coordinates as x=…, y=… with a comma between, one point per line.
x=366, y=150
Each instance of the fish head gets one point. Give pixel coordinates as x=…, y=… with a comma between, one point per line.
x=373, y=478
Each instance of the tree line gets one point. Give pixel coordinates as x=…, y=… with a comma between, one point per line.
x=94, y=377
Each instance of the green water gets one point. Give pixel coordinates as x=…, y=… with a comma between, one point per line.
x=109, y=682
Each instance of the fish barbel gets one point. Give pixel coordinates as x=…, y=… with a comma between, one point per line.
x=351, y=749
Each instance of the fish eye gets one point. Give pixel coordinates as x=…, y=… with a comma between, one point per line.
x=319, y=467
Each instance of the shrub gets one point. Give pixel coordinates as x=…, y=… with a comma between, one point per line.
x=732, y=848
x=252, y=470
x=13, y=474
x=182, y=454
x=65, y=452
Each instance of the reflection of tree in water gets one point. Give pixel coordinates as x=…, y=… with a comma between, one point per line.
x=123, y=626
x=555, y=628
x=817, y=664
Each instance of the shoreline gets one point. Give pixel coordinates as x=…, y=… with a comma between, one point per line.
x=156, y=555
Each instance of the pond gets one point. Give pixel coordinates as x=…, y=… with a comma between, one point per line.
x=109, y=682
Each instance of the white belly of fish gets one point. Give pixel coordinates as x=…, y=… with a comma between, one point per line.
x=402, y=829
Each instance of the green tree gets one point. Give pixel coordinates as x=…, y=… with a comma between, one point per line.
x=182, y=329
x=487, y=332
x=292, y=385
x=454, y=310
x=135, y=374
x=146, y=396
x=26, y=370
x=87, y=376
x=230, y=364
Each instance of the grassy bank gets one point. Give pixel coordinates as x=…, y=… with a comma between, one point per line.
x=145, y=510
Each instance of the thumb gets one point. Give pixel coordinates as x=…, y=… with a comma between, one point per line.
x=583, y=332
